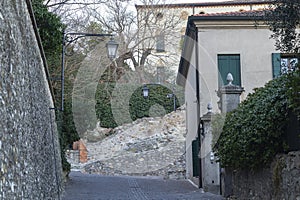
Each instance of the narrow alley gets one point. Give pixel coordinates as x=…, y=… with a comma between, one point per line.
x=97, y=187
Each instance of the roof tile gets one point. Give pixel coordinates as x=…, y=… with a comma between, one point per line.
x=236, y=13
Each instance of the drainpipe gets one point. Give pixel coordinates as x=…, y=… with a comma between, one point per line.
x=198, y=104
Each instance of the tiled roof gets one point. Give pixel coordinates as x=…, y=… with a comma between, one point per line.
x=250, y=1
x=208, y=4
x=242, y=13
x=238, y=2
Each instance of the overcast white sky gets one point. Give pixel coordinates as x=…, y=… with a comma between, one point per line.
x=195, y=1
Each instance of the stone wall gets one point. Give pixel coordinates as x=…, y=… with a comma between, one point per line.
x=30, y=165
x=280, y=181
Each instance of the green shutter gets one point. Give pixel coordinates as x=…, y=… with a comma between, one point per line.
x=196, y=161
x=229, y=64
x=276, y=64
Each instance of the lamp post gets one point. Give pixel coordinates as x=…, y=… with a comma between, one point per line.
x=111, y=47
x=172, y=95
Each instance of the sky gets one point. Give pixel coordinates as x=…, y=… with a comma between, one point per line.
x=195, y=1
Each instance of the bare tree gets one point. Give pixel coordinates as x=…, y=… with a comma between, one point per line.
x=58, y=5
x=72, y=12
x=138, y=31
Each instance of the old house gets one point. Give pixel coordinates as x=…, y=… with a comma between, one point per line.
x=216, y=44
x=162, y=30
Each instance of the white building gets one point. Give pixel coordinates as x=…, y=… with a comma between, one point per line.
x=162, y=29
x=216, y=44
x=213, y=39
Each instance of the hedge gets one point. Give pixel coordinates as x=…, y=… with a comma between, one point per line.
x=117, y=104
x=254, y=132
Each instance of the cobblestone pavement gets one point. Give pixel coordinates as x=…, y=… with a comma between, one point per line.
x=96, y=187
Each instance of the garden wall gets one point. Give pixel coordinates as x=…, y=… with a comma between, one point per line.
x=30, y=164
x=280, y=181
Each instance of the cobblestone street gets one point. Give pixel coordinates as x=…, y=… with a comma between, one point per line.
x=96, y=187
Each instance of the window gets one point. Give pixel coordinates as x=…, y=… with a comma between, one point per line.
x=229, y=63
x=160, y=74
x=283, y=63
x=160, y=43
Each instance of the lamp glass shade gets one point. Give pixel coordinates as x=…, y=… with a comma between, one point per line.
x=145, y=91
x=112, y=47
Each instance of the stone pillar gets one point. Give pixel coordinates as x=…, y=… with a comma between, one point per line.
x=229, y=100
x=229, y=95
x=211, y=168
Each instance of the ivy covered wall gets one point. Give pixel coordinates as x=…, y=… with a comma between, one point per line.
x=255, y=132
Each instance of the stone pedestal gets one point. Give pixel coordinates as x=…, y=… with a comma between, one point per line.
x=229, y=100
x=229, y=95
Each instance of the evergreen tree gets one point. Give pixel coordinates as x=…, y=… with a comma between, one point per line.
x=51, y=31
x=283, y=17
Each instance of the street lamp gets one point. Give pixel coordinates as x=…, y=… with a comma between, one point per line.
x=111, y=47
x=145, y=91
x=172, y=95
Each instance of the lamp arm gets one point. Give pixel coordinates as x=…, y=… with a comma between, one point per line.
x=81, y=35
x=65, y=43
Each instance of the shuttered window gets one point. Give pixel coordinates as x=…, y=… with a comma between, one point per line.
x=229, y=63
x=276, y=64
x=283, y=63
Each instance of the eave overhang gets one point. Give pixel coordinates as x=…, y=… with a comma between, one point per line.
x=211, y=21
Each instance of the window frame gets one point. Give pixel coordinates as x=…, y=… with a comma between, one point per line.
x=160, y=43
x=237, y=79
x=277, y=63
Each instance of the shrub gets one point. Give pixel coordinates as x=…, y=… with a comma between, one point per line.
x=157, y=104
x=294, y=91
x=254, y=132
x=123, y=103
